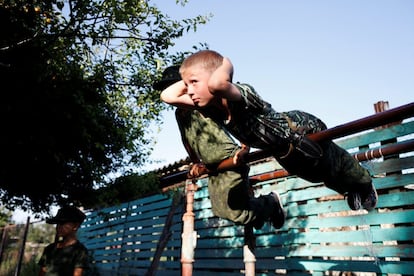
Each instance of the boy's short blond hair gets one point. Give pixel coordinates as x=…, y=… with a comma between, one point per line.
x=208, y=59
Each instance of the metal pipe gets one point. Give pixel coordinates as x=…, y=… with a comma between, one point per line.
x=378, y=119
x=401, y=147
x=189, y=236
x=270, y=175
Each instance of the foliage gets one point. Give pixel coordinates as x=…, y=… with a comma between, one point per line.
x=42, y=233
x=11, y=243
x=123, y=189
x=30, y=268
x=38, y=236
x=77, y=98
x=5, y=216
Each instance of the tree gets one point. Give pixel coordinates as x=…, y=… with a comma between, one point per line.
x=77, y=98
x=123, y=189
x=5, y=216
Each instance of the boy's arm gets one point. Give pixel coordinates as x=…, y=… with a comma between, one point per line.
x=180, y=115
x=193, y=156
x=176, y=95
x=220, y=82
x=230, y=163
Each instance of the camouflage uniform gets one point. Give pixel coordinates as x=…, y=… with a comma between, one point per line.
x=255, y=123
x=229, y=191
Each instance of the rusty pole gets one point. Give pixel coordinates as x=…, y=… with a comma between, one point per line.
x=378, y=119
x=249, y=258
x=189, y=236
x=401, y=147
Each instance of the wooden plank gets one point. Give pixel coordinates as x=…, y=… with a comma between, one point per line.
x=209, y=272
x=349, y=237
x=376, y=136
x=371, y=218
x=394, y=181
x=222, y=232
x=105, y=258
x=221, y=263
x=332, y=206
x=221, y=243
x=392, y=165
x=352, y=236
x=151, y=206
x=111, y=215
x=396, y=267
x=148, y=254
x=270, y=165
x=132, y=271
x=309, y=190
x=370, y=250
x=285, y=185
x=149, y=199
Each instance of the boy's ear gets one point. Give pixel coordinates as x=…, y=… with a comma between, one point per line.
x=76, y=226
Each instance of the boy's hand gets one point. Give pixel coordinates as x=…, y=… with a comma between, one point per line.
x=240, y=154
x=220, y=82
x=197, y=170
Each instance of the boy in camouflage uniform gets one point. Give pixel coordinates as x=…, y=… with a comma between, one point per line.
x=207, y=86
x=210, y=148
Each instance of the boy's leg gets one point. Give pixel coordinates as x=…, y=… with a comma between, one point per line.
x=268, y=208
x=337, y=168
x=348, y=177
x=231, y=199
x=229, y=196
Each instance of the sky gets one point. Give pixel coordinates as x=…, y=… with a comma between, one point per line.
x=331, y=58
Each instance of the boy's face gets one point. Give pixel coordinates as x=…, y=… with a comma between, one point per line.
x=66, y=229
x=196, y=79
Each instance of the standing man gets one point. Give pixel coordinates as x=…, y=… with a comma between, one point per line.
x=66, y=256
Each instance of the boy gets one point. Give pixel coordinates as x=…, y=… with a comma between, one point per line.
x=65, y=256
x=207, y=86
x=213, y=151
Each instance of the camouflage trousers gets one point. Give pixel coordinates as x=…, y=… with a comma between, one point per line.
x=232, y=198
x=335, y=167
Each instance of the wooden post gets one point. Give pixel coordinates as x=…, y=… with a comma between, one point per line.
x=21, y=252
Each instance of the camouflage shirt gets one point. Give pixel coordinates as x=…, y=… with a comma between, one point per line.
x=206, y=138
x=63, y=261
x=255, y=123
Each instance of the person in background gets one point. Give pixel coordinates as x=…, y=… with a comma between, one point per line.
x=66, y=256
x=207, y=86
x=213, y=151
